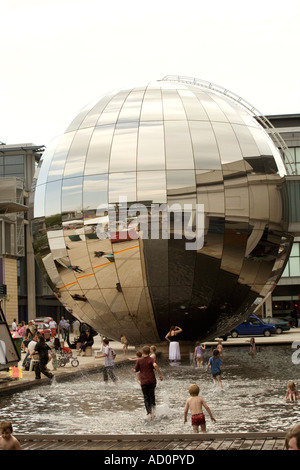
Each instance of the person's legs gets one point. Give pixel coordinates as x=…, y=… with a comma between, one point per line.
x=147, y=401
x=152, y=397
x=45, y=371
x=112, y=374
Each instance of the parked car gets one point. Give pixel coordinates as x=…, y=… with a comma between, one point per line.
x=43, y=329
x=253, y=326
x=279, y=323
x=42, y=320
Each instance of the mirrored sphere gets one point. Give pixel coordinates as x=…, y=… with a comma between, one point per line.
x=161, y=205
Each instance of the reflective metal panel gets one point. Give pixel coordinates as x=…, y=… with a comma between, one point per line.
x=162, y=204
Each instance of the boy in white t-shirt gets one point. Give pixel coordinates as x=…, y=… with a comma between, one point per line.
x=109, y=363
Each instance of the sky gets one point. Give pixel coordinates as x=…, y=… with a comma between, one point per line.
x=59, y=55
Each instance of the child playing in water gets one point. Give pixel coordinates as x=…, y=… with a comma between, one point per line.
x=138, y=355
x=215, y=363
x=195, y=404
x=252, y=345
x=292, y=392
x=220, y=348
x=153, y=352
x=7, y=440
x=198, y=354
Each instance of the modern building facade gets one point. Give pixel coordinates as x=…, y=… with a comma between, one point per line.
x=27, y=293
x=286, y=294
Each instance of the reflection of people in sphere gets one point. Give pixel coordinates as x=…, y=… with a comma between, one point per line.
x=174, y=349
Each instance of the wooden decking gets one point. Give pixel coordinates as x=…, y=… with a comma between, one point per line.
x=165, y=442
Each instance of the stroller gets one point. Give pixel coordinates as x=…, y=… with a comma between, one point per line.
x=65, y=355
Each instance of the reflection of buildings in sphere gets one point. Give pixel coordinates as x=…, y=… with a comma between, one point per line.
x=174, y=144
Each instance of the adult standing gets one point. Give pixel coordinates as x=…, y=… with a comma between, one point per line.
x=174, y=349
x=146, y=366
x=63, y=328
x=76, y=328
x=14, y=325
x=43, y=350
x=53, y=326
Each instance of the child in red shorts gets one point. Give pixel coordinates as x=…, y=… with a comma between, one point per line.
x=195, y=404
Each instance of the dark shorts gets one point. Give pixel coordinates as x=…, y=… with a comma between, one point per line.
x=197, y=420
x=217, y=373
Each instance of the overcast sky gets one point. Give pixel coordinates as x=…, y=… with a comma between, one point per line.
x=59, y=55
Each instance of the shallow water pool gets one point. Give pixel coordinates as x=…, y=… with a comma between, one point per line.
x=252, y=398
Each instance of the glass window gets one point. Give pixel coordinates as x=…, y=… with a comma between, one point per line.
x=15, y=170
x=152, y=106
x=39, y=201
x=227, y=142
x=295, y=250
x=181, y=187
x=246, y=141
x=172, y=106
x=111, y=112
x=294, y=266
x=193, y=108
x=59, y=158
x=13, y=159
x=179, y=151
x=297, y=153
x=94, y=192
x=151, y=146
x=206, y=152
x=131, y=108
x=151, y=187
x=97, y=158
x=53, y=203
x=230, y=109
x=260, y=138
x=71, y=196
x=122, y=185
x=124, y=147
x=211, y=107
x=77, y=153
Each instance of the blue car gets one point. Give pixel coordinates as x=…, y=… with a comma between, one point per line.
x=253, y=326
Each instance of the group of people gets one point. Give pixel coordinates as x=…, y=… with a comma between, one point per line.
x=145, y=369
x=214, y=362
x=37, y=348
x=38, y=351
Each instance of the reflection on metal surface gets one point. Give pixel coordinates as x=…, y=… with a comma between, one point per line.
x=169, y=142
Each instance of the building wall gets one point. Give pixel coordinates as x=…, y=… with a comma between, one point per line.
x=10, y=303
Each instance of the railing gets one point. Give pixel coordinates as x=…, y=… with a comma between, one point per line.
x=265, y=123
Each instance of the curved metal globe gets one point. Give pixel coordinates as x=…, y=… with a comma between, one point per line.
x=101, y=242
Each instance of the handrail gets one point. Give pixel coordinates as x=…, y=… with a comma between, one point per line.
x=263, y=120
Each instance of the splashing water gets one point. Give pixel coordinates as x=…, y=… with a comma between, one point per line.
x=252, y=398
